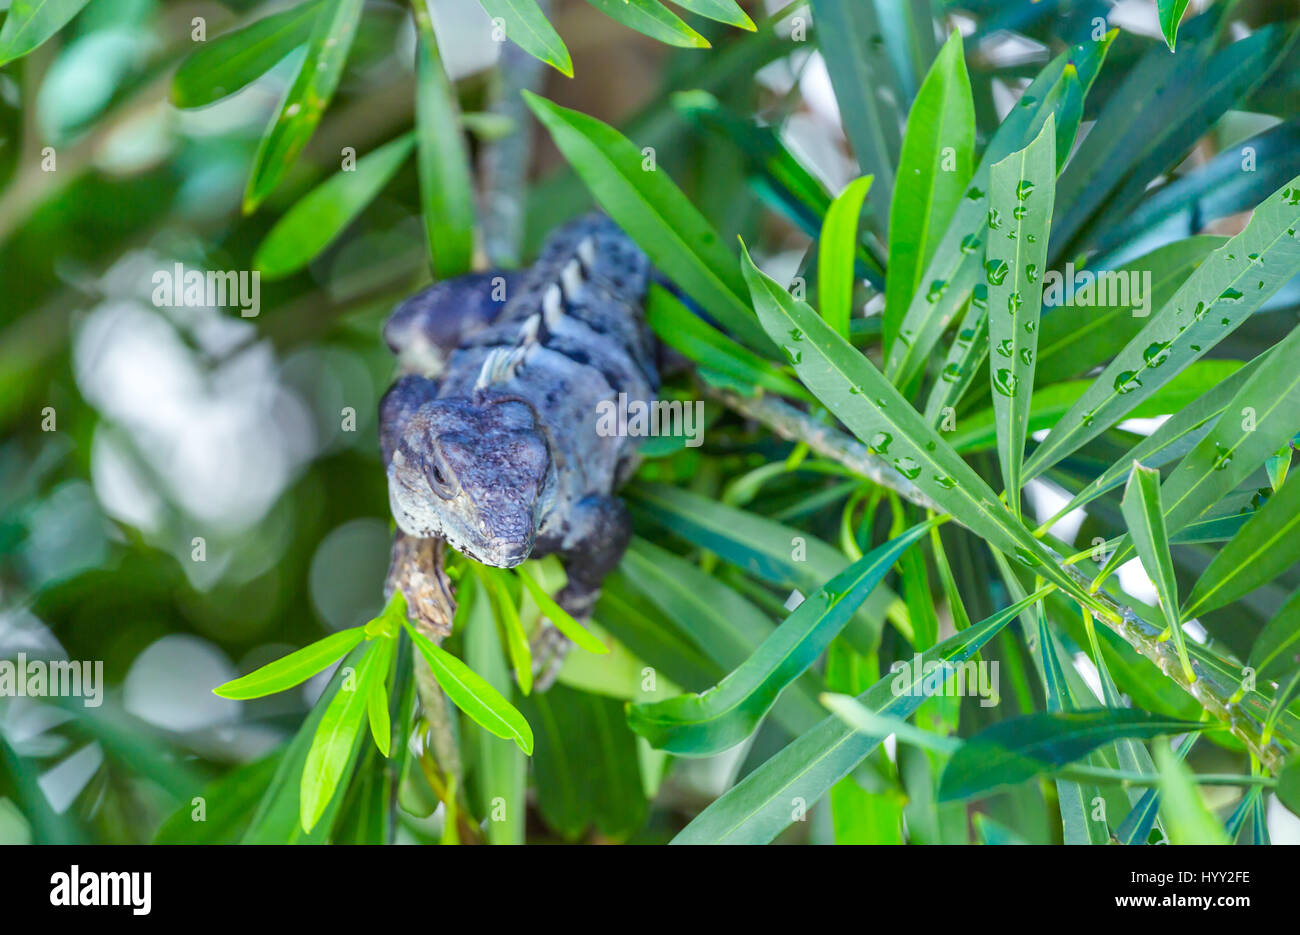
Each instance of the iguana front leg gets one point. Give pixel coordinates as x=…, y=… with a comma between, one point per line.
x=597, y=535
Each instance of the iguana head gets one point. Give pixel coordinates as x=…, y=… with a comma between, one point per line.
x=473, y=471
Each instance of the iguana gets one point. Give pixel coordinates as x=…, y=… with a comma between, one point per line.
x=490, y=435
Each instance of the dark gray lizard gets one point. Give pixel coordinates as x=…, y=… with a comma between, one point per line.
x=490, y=435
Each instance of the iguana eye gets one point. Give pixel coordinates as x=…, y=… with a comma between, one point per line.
x=438, y=478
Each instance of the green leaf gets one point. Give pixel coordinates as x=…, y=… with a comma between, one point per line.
x=1174, y=438
x=1017, y=749
x=934, y=167
x=723, y=11
x=563, y=621
x=952, y=274
x=585, y=768
x=1171, y=14
x=228, y=805
x=30, y=22
x=234, y=60
x=1021, y=190
x=1224, y=291
x=500, y=770
x=527, y=27
x=1288, y=785
x=294, y=668
x=655, y=213
x=334, y=744
x=978, y=430
x=472, y=694
x=760, y=547
x=652, y=19
x=758, y=808
x=305, y=102
x=1074, y=339
x=322, y=214
x=860, y=397
x=1145, y=517
x=381, y=724
x=683, y=330
x=1265, y=547
x=1258, y=419
x=861, y=75
x=727, y=628
x=1137, y=824
x=1185, y=815
x=494, y=581
x=1277, y=648
x=836, y=252
x=446, y=185
x=709, y=722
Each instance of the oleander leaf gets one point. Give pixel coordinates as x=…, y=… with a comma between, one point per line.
x=712, y=721
x=1184, y=813
x=321, y=215
x=1265, y=547
x=527, y=27
x=29, y=23
x=653, y=19
x=1277, y=648
x=473, y=694
x=836, y=252
x=655, y=213
x=934, y=166
x=757, y=808
x=1019, y=748
x=1226, y=289
x=1171, y=14
x=236, y=59
x=306, y=100
x=1020, y=200
x=446, y=184
x=293, y=669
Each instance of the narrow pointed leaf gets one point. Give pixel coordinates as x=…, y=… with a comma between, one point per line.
x=655, y=213
x=306, y=100
x=323, y=213
x=1018, y=749
x=710, y=722
x=1185, y=815
x=934, y=167
x=381, y=724
x=654, y=20
x=238, y=58
x=955, y=269
x=1020, y=211
x=835, y=254
x=1171, y=14
x=1265, y=547
x=1174, y=438
x=293, y=669
x=1137, y=824
x=1146, y=522
x=527, y=27
x=758, y=808
x=335, y=741
x=446, y=185
x=1277, y=648
x=860, y=397
x=1226, y=289
x=723, y=11
x=30, y=22
x=563, y=621
x=472, y=694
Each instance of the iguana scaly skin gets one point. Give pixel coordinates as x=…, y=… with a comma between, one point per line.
x=489, y=436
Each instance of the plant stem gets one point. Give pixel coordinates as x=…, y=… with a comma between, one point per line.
x=1209, y=688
